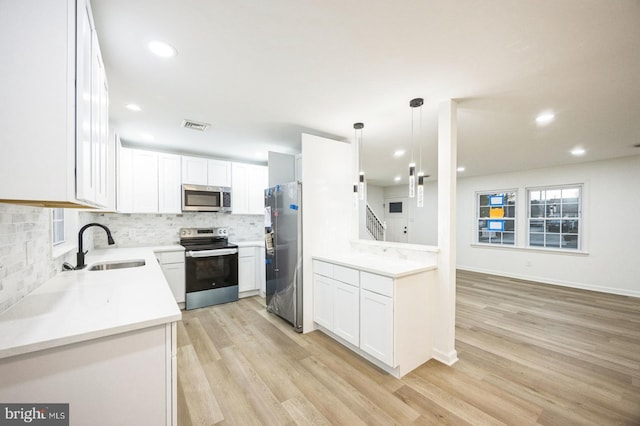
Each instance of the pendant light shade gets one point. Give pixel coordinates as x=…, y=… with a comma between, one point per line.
x=413, y=103
x=412, y=180
x=357, y=128
x=420, y=194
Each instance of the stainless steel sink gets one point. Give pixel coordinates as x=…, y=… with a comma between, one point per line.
x=118, y=264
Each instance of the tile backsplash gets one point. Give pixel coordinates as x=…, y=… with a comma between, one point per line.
x=26, y=256
x=26, y=259
x=135, y=230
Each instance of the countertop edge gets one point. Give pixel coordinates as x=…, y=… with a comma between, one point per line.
x=365, y=268
x=85, y=337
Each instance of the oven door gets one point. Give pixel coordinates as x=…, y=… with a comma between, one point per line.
x=211, y=269
x=211, y=277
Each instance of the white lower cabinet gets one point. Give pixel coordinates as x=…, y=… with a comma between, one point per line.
x=172, y=265
x=376, y=326
x=346, y=313
x=122, y=379
x=251, y=273
x=246, y=269
x=386, y=320
x=323, y=301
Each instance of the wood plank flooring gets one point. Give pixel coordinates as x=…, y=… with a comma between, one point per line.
x=528, y=353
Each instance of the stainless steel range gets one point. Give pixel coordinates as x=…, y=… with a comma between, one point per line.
x=211, y=267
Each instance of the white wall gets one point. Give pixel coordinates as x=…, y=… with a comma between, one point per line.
x=611, y=228
x=328, y=212
x=422, y=221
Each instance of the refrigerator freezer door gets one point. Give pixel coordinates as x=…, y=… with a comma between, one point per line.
x=284, y=261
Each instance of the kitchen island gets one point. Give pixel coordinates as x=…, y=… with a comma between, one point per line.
x=380, y=307
x=103, y=341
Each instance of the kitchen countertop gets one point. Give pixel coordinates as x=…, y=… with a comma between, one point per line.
x=382, y=265
x=76, y=306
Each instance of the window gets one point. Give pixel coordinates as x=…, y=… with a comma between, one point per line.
x=496, y=220
x=57, y=226
x=64, y=224
x=555, y=217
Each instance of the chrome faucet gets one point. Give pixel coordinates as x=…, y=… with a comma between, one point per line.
x=80, y=255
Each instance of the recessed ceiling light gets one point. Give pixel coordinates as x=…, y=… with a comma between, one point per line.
x=162, y=49
x=545, y=118
x=460, y=169
x=578, y=151
x=398, y=153
x=133, y=107
x=397, y=178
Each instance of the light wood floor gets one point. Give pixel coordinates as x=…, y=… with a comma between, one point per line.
x=528, y=354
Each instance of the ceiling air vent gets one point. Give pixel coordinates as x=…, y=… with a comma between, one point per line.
x=194, y=125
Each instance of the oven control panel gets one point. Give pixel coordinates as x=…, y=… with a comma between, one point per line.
x=203, y=232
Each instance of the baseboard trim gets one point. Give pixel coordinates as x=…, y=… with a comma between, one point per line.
x=447, y=358
x=570, y=284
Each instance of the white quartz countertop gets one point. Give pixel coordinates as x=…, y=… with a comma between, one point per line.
x=76, y=306
x=388, y=266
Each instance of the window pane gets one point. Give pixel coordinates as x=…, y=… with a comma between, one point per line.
x=484, y=199
x=553, y=195
x=552, y=240
x=537, y=209
x=484, y=211
x=505, y=237
x=509, y=225
x=508, y=238
x=553, y=226
x=561, y=209
x=571, y=193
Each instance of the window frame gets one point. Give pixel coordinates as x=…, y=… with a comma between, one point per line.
x=70, y=220
x=478, y=218
x=579, y=217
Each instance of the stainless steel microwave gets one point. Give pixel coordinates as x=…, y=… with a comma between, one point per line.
x=202, y=198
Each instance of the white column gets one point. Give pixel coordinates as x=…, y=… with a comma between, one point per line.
x=445, y=320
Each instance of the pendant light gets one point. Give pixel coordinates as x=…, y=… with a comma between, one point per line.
x=413, y=103
x=361, y=180
x=417, y=103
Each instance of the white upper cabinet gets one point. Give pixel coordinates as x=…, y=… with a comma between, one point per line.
x=194, y=170
x=203, y=171
x=218, y=173
x=169, y=178
x=148, y=182
x=40, y=102
x=248, y=184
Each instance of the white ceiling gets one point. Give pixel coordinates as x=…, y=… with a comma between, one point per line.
x=262, y=72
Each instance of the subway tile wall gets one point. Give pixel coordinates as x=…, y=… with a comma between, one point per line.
x=25, y=252
x=135, y=230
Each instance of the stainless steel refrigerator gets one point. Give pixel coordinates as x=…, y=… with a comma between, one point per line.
x=283, y=251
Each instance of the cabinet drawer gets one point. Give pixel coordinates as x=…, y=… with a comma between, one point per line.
x=170, y=256
x=376, y=283
x=346, y=275
x=323, y=268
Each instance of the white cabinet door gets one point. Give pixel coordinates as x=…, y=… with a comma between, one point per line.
x=248, y=184
x=258, y=182
x=346, y=314
x=376, y=326
x=194, y=170
x=240, y=194
x=323, y=301
x=169, y=184
x=247, y=273
x=174, y=273
x=145, y=181
x=218, y=173
x=125, y=179
x=86, y=188
x=99, y=125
